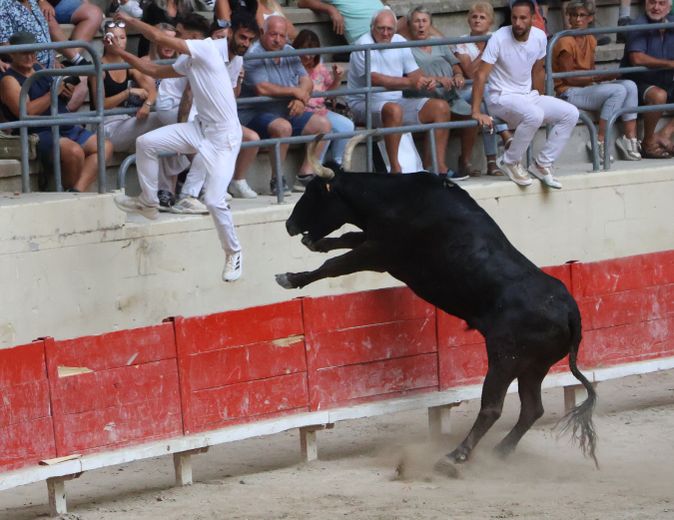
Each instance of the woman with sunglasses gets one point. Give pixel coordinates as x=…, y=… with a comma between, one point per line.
x=605, y=93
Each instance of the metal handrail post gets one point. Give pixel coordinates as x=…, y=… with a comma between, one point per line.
x=434, y=155
x=368, y=102
x=279, y=174
x=25, y=168
x=56, y=134
x=121, y=174
x=592, y=129
x=100, y=129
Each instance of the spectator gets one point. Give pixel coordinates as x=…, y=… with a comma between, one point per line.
x=85, y=16
x=513, y=62
x=166, y=11
x=261, y=10
x=480, y=20
x=79, y=153
x=395, y=69
x=605, y=94
x=36, y=17
x=323, y=80
x=655, y=50
x=244, y=31
x=130, y=7
x=281, y=78
x=438, y=60
x=215, y=134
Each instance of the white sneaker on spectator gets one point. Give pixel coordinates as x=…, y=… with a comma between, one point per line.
x=241, y=190
x=629, y=148
x=516, y=173
x=232, y=270
x=189, y=206
x=135, y=205
x=544, y=174
x=228, y=197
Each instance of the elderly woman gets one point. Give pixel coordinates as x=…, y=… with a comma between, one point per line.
x=480, y=20
x=437, y=60
x=604, y=94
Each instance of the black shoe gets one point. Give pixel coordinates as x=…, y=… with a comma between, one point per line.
x=81, y=62
x=166, y=200
x=603, y=39
x=272, y=186
x=621, y=37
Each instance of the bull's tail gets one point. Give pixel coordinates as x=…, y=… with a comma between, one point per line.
x=579, y=419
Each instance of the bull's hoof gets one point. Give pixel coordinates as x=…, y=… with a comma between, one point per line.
x=458, y=456
x=308, y=243
x=283, y=280
x=446, y=467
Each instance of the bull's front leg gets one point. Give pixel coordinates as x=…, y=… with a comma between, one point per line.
x=349, y=240
x=364, y=258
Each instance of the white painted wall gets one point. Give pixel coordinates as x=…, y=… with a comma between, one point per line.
x=72, y=265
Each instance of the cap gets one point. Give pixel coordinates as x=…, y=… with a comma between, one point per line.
x=22, y=38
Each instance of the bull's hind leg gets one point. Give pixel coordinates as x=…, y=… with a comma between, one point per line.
x=499, y=376
x=529, y=388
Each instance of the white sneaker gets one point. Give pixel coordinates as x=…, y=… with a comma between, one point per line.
x=629, y=148
x=228, y=197
x=135, y=205
x=241, y=190
x=232, y=270
x=189, y=206
x=600, y=151
x=544, y=174
x=516, y=173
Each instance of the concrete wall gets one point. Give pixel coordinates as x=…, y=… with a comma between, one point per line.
x=72, y=265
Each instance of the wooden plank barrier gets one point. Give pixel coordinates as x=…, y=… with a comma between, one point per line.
x=26, y=429
x=190, y=383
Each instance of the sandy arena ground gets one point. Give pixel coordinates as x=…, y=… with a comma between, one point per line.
x=546, y=478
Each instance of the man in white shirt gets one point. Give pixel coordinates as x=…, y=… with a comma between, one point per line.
x=215, y=133
x=397, y=70
x=513, y=60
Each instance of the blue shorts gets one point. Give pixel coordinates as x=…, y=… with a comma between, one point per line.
x=65, y=10
x=76, y=133
x=260, y=123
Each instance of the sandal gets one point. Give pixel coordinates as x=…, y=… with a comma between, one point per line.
x=493, y=169
x=655, y=151
x=466, y=169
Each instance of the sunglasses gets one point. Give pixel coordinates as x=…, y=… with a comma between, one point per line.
x=111, y=24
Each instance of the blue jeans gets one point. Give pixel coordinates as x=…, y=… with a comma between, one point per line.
x=488, y=140
x=606, y=98
x=339, y=124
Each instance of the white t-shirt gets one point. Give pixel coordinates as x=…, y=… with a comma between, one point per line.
x=170, y=92
x=513, y=60
x=391, y=62
x=470, y=48
x=211, y=85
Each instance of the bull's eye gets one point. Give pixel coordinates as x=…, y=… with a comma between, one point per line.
x=328, y=187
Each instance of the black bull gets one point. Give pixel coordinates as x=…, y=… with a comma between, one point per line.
x=433, y=236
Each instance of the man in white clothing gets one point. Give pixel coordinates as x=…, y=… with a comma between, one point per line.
x=215, y=133
x=513, y=60
x=397, y=70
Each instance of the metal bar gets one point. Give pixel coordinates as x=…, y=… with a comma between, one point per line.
x=279, y=173
x=368, y=115
x=56, y=135
x=592, y=129
x=431, y=136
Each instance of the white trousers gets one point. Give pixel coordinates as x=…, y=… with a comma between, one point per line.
x=526, y=113
x=218, y=146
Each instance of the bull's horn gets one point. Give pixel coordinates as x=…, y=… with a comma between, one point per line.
x=350, y=147
x=316, y=166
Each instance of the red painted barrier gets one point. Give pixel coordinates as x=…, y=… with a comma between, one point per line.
x=26, y=430
x=114, y=389
x=370, y=345
x=241, y=365
x=627, y=306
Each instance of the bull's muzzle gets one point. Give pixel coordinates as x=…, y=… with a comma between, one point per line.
x=292, y=228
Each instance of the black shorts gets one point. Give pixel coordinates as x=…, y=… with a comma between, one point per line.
x=642, y=87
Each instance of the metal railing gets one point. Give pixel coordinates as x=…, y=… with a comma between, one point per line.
x=550, y=76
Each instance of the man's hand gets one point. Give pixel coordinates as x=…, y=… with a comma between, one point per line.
x=424, y=83
x=302, y=95
x=483, y=119
x=296, y=108
x=447, y=83
x=4, y=66
x=459, y=81
x=337, y=21
x=143, y=112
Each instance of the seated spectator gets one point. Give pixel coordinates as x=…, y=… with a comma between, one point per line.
x=438, y=60
x=37, y=18
x=480, y=20
x=604, y=94
x=85, y=16
x=513, y=61
x=162, y=11
x=260, y=9
x=323, y=80
x=130, y=7
x=655, y=50
x=244, y=31
x=79, y=153
x=123, y=129
x=395, y=69
x=281, y=78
